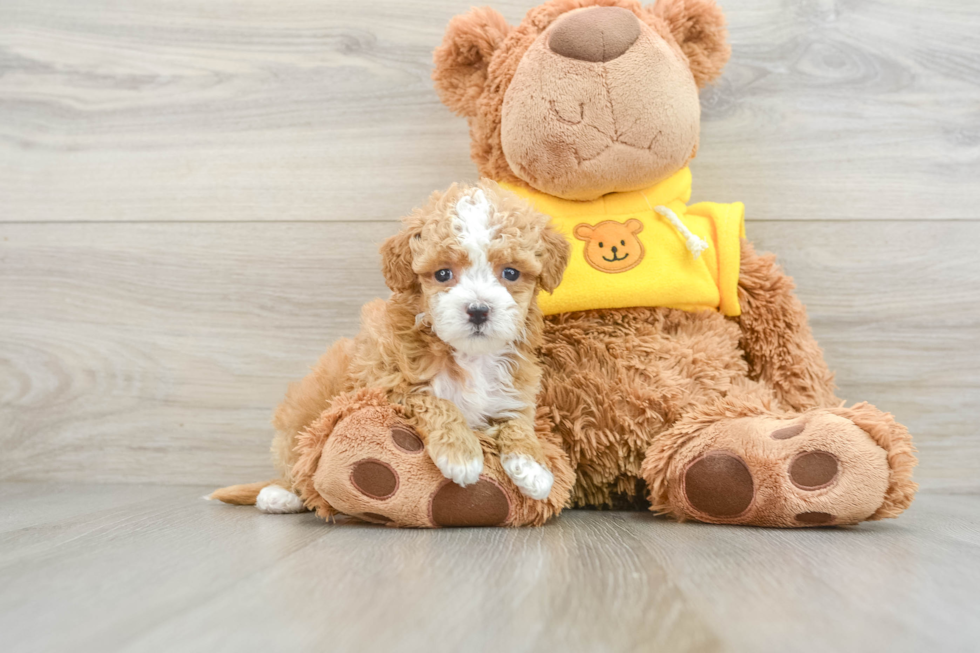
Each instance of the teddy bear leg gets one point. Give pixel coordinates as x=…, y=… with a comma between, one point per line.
x=374, y=466
x=821, y=467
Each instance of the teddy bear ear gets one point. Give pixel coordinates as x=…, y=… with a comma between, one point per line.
x=698, y=26
x=462, y=60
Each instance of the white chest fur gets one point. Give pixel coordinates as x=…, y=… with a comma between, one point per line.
x=487, y=392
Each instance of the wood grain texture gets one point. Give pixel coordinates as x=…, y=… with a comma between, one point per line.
x=135, y=569
x=157, y=352
x=309, y=110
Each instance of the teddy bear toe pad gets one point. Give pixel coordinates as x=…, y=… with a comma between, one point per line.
x=719, y=484
x=374, y=479
x=816, y=470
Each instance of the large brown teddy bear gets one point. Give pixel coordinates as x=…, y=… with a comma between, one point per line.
x=589, y=109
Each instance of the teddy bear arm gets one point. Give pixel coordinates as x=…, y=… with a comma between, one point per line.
x=776, y=338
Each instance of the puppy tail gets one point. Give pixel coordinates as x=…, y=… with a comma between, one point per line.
x=241, y=495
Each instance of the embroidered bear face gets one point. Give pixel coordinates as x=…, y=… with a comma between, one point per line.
x=612, y=246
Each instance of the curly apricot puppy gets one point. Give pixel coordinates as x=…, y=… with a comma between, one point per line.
x=456, y=342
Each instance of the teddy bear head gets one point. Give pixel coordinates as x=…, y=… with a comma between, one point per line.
x=584, y=97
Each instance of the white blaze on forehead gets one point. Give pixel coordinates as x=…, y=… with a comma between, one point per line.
x=476, y=284
x=472, y=225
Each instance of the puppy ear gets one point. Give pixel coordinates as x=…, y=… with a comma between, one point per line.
x=634, y=226
x=462, y=60
x=698, y=26
x=554, y=254
x=396, y=262
x=583, y=231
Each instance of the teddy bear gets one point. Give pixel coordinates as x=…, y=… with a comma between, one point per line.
x=679, y=371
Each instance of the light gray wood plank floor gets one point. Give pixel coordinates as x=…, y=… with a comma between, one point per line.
x=131, y=568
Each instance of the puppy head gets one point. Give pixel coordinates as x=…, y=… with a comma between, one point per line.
x=473, y=260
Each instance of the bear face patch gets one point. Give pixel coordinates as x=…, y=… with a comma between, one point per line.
x=612, y=246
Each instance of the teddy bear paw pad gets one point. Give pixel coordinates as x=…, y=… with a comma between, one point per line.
x=406, y=439
x=374, y=479
x=787, y=432
x=482, y=504
x=813, y=470
x=815, y=518
x=719, y=485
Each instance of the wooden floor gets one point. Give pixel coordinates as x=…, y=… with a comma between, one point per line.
x=129, y=568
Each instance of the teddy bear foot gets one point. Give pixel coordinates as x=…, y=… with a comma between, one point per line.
x=374, y=466
x=815, y=469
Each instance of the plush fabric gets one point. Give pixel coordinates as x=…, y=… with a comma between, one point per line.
x=656, y=268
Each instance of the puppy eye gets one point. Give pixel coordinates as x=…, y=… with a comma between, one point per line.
x=510, y=274
x=444, y=275
x=600, y=243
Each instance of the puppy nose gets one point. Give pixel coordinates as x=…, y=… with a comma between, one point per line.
x=597, y=34
x=478, y=313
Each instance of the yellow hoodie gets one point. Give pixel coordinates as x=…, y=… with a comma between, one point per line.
x=626, y=251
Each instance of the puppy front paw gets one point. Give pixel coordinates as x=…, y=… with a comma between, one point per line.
x=462, y=473
x=533, y=479
x=460, y=460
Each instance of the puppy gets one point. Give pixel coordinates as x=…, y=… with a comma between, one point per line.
x=456, y=343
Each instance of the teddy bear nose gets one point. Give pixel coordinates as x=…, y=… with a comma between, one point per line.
x=478, y=313
x=597, y=34
x=615, y=249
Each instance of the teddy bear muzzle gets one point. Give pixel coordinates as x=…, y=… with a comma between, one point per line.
x=597, y=34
